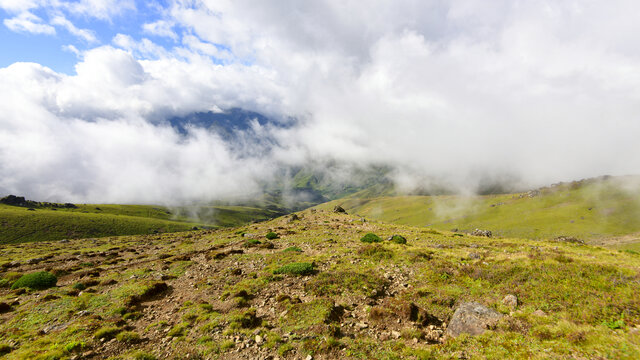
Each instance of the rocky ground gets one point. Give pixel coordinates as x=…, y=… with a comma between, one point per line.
x=234, y=294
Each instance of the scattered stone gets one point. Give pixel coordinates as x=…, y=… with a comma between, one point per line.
x=474, y=256
x=511, y=301
x=396, y=334
x=569, y=239
x=258, y=339
x=539, y=313
x=472, y=318
x=479, y=232
x=34, y=261
x=309, y=357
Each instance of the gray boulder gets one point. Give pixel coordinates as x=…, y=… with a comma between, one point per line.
x=472, y=318
x=480, y=232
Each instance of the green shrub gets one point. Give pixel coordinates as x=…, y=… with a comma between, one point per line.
x=398, y=239
x=79, y=286
x=244, y=320
x=293, y=249
x=179, y=330
x=132, y=315
x=370, y=238
x=38, y=281
x=141, y=355
x=252, y=242
x=129, y=337
x=284, y=349
x=297, y=268
x=107, y=332
x=227, y=344
x=271, y=235
x=74, y=346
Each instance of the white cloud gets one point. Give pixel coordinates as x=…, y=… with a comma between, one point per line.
x=30, y=23
x=457, y=90
x=99, y=9
x=160, y=28
x=86, y=35
x=18, y=6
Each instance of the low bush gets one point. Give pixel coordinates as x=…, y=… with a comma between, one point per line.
x=37, y=281
x=107, y=332
x=271, y=235
x=370, y=238
x=128, y=337
x=297, y=268
x=398, y=239
x=292, y=249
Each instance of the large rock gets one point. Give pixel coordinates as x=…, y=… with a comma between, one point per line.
x=339, y=209
x=473, y=319
x=480, y=232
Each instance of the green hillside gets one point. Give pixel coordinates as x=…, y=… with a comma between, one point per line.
x=317, y=290
x=45, y=223
x=593, y=209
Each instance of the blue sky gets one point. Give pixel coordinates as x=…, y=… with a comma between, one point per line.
x=50, y=49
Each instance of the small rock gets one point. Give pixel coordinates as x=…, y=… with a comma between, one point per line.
x=539, y=313
x=309, y=357
x=362, y=325
x=474, y=256
x=510, y=301
x=479, y=232
x=395, y=334
x=258, y=339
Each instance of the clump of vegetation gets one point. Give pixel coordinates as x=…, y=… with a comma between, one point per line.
x=107, y=332
x=227, y=344
x=252, y=242
x=9, y=278
x=292, y=249
x=141, y=355
x=315, y=314
x=371, y=238
x=244, y=320
x=376, y=252
x=296, y=268
x=271, y=235
x=37, y=281
x=398, y=239
x=179, y=330
x=79, y=286
x=128, y=337
x=337, y=283
x=74, y=346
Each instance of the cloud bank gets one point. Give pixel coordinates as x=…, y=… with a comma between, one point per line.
x=458, y=91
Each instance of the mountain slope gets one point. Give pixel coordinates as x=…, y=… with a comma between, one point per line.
x=589, y=209
x=44, y=222
x=233, y=294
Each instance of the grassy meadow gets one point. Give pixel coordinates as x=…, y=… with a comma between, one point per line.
x=317, y=289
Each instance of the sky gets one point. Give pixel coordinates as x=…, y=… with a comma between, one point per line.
x=534, y=90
